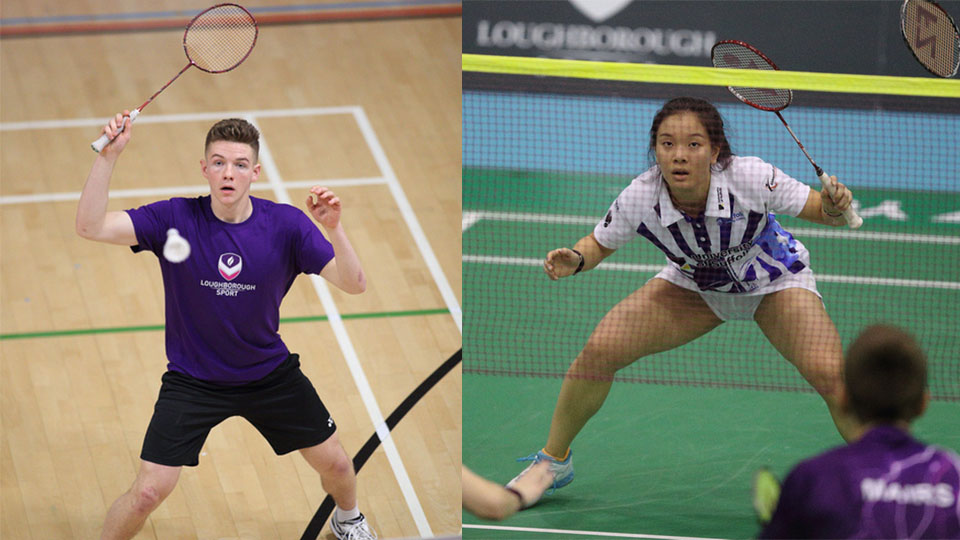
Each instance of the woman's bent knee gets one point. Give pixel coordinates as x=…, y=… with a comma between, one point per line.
x=596, y=362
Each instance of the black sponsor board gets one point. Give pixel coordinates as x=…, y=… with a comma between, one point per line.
x=834, y=36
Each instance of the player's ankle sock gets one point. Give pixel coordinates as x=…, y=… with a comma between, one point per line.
x=565, y=456
x=347, y=515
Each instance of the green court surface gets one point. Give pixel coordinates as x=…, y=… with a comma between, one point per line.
x=560, y=193
x=672, y=451
x=657, y=460
x=518, y=322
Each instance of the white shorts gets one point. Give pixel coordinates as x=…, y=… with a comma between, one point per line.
x=741, y=306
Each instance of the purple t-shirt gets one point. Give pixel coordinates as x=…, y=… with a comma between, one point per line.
x=223, y=302
x=885, y=485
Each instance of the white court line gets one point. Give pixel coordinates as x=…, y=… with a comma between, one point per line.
x=353, y=362
x=280, y=190
x=406, y=210
x=334, y=182
x=843, y=234
x=522, y=261
x=468, y=219
x=582, y=533
x=654, y=268
x=173, y=118
x=184, y=190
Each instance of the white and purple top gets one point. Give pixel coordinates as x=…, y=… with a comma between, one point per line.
x=735, y=245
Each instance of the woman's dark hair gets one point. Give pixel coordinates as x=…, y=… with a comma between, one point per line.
x=709, y=117
x=885, y=373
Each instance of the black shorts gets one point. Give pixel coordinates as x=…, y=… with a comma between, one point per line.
x=283, y=406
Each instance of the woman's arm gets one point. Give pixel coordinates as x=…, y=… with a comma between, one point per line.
x=586, y=254
x=821, y=208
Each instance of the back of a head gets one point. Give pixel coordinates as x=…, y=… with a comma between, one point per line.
x=885, y=375
x=234, y=130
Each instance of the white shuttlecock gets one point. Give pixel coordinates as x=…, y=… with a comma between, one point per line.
x=176, y=249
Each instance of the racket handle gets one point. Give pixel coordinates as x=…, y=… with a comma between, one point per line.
x=98, y=144
x=853, y=220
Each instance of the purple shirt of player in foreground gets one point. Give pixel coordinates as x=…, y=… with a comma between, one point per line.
x=223, y=302
x=885, y=485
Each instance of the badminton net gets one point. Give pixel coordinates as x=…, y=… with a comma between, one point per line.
x=548, y=145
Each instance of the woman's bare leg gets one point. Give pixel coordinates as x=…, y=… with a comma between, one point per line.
x=656, y=317
x=798, y=326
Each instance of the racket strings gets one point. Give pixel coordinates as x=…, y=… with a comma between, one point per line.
x=220, y=39
x=734, y=55
x=932, y=37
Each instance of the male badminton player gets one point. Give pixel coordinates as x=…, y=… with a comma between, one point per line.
x=712, y=214
x=885, y=484
x=225, y=357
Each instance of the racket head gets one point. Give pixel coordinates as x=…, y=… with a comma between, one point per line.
x=931, y=35
x=736, y=54
x=220, y=37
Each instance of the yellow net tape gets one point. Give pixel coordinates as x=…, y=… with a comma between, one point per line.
x=658, y=73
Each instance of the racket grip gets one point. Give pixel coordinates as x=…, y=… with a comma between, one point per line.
x=98, y=144
x=854, y=221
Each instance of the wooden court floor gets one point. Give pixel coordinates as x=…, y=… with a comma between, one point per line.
x=370, y=107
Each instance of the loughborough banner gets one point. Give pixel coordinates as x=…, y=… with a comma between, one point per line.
x=856, y=36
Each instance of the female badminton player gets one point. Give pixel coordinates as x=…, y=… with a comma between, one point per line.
x=712, y=213
x=225, y=357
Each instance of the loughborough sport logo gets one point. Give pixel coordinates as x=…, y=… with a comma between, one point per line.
x=600, y=10
x=230, y=265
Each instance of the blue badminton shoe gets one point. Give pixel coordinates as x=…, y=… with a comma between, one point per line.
x=562, y=470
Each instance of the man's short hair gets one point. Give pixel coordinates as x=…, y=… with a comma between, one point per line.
x=885, y=373
x=234, y=130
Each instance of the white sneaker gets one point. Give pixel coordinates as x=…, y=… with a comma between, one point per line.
x=353, y=529
x=562, y=470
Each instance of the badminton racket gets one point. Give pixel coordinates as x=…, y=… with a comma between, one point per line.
x=217, y=40
x=931, y=35
x=740, y=55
